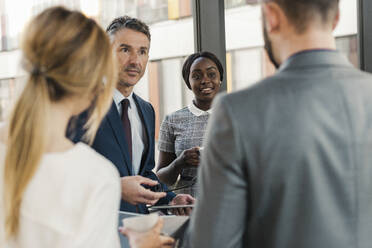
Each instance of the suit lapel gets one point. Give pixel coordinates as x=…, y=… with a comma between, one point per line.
x=146, y=124
x=117, y=127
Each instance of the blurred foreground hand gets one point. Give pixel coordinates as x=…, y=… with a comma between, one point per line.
x=149, y=239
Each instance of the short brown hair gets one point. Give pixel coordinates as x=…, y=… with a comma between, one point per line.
x=300, y=12
x=128, y=22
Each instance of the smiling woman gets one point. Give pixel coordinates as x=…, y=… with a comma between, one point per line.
x=181, y=133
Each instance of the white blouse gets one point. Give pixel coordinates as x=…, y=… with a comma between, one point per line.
x=72, y=201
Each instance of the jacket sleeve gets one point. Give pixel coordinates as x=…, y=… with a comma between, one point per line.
x=170, y=195
x=149, y=167
x=222, y=193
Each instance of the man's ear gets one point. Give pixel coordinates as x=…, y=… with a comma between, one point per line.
x=336, y=20
x=271, y=13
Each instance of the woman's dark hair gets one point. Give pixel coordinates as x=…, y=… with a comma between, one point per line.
x=190, y=60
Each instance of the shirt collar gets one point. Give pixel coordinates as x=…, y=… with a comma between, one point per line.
x=315, y=57
x=311, y=51
x=118, y=97
x=198, y=112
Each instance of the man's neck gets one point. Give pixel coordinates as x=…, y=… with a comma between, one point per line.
x=124, y=90
x=311, y=40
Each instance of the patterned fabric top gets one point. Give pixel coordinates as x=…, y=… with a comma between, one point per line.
x=182, y=130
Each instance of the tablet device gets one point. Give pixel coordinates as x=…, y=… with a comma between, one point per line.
x=171, y=206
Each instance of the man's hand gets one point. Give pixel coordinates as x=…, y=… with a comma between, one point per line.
x=182, y=199
x=149, y=239
x=133, y=192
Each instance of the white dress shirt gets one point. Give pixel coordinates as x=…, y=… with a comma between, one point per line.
x=71, y=201
x=136, y=126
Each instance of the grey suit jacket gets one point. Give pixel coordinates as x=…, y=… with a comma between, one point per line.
x=288, y=162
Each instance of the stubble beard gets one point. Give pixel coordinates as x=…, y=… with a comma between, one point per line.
x=269, y=47
x=124, y=84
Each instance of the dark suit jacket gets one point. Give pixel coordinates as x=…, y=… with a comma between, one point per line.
x=110, y=142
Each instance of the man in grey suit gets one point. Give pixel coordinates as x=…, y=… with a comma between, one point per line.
x=288, y=162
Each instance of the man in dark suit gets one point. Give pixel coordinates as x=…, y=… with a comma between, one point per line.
x=126, y=135
x=288, y=162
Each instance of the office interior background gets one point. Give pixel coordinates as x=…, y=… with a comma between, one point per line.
x=172, y=30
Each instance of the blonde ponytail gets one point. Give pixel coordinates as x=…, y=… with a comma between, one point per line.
x=67, y=55
x=26, y=144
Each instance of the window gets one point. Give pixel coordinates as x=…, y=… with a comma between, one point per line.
x=179, y=9
x=151, y=11
x=8, y=93
x=246, y=67
x=348, y=45
x=236, y=3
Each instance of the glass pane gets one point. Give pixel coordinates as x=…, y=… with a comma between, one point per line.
x=151, y=11
x=2, y=23
x=171, y=86
x=348, y=45
x=2, y=33
x=111, y=9
x=4, y=98
x=236, y=3
x=171, y=42
x=7, y=96
x=243, y=43
x=244, y=77
x=248, y=61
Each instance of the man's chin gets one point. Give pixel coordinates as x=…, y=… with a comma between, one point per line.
x=127, y=84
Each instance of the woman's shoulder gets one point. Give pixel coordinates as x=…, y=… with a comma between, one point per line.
x=178, y=115
x=91, y=163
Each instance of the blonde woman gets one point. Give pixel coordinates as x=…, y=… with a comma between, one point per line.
x=54, y=193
